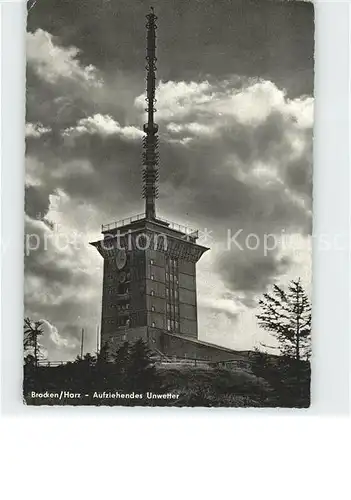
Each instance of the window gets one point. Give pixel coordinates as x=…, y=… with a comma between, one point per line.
x=172, y=295
x=152, y=261
x=152, y=308
x=152, y=277
x=152, y=293
x=153, y=324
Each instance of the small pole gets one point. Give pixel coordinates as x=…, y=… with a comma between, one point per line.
x=97, y=339
x=82, y=344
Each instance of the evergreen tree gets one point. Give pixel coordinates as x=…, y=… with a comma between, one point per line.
x=33, y=330
x=102, y=357
x=287, y=315
x=142, y=374
x=121, y=361
x=122, y=355
x=89, y=359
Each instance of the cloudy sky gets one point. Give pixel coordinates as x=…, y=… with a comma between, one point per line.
x=235, y=109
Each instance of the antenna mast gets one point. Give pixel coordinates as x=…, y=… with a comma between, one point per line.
x=150, y=141
x=82, y=344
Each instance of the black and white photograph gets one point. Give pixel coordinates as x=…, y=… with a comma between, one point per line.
x=168, y=203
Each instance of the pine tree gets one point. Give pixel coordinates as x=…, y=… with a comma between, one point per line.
x=102, y=357
x=89, y=359
x=122, y=357
x=33, y=330
x=142, y=374
x=287, y=315
x=121, y=360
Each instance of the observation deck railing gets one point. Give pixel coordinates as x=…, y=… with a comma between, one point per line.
x=122, y=222
x=193, y=233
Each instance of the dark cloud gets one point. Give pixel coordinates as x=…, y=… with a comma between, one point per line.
x=212, y=172
x=56, y=288
x=61, y=104
x=299, y=176
x=37, y=201
x=250, y=271
x=106, y=170
x=206, y=179
x=45, y=259
x=52, y=106
x=197, y=38
x=210, y=168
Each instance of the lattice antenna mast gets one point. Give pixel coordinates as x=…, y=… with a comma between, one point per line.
x=150, y=141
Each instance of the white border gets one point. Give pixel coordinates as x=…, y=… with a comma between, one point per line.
x=331, y=189
x=331, y=296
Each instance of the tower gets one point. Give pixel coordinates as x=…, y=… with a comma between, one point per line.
x=149, y=276
x=150, y=141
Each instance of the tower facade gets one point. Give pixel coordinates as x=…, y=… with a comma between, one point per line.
x=149, y=280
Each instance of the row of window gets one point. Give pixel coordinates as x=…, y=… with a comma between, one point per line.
x=172, y=278
x=120, y=289
x=171, y=267
x=120, y=321
x=171, y=310
x=172, y=325
x=114, y=277
x=172, y=295
x=171, y=264
x=139, y=272
x=169, y=278
x=121, y=307
x=137, y=276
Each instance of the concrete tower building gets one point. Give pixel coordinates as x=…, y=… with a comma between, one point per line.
x=149, y=281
